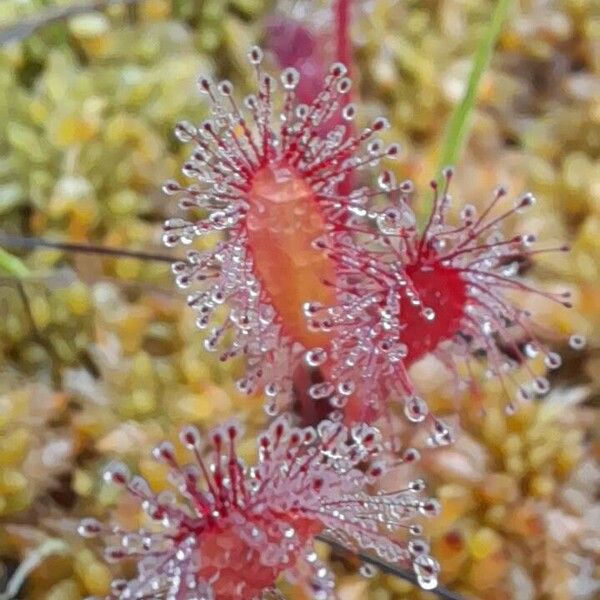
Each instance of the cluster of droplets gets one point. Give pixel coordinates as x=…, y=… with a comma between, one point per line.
x=448, y=292
x=230, y=530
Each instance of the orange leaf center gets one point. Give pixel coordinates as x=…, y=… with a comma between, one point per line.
x=283, y=220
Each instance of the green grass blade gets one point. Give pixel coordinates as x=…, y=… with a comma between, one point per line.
x=460, y=119
x=11, y=265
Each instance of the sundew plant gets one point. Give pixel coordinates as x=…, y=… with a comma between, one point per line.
x=318, y=274
x=312, y=262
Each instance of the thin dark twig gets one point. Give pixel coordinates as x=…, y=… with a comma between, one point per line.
x=27, y=27
x=37, y=334
x=17, y=241
x=387, y=568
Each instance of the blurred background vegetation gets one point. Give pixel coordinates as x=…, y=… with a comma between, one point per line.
x=99, y=357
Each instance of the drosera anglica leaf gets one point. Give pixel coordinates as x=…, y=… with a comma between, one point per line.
x=268, y=179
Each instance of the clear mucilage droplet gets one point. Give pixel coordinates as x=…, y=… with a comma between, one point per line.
x=553, y=360
x=415, y=409
x=577, y=342
x=368, y=571
x=315, y=357
x=394, y=219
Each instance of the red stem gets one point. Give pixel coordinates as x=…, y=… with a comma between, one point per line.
x=341, y=15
